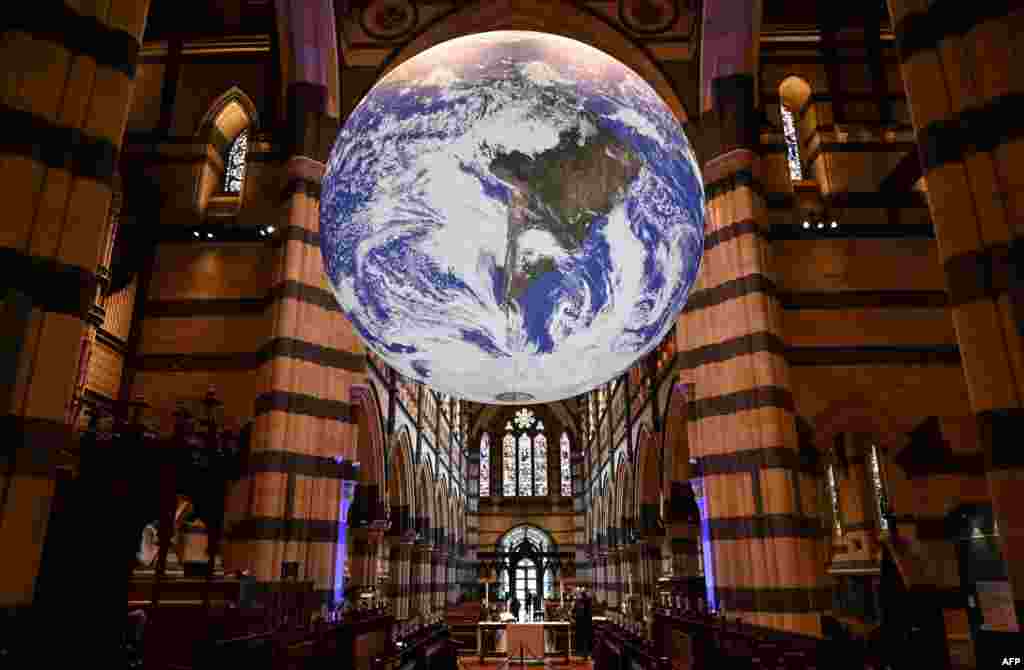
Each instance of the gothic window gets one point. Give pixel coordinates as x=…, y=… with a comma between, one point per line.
x=566, y=465
x=508, y=454
x=540, y=464
x=881, y=502
x=234, y=167
x=525, y=456
x=485, y=466
x=792, y=144
x=833, y=493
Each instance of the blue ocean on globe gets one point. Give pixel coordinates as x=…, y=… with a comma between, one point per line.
x=512, y=217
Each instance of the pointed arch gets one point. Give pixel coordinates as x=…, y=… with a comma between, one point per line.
x=369, y=445
x=648, y=466
x=227, y=117
x=400, y=479
x=551, y=16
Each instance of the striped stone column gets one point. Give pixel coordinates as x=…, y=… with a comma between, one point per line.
x=304, y=418
x=961, y=69
x=741, y=418
x=64, y=99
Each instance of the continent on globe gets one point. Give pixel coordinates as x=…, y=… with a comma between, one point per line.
x=511, y=217
x=561, y=190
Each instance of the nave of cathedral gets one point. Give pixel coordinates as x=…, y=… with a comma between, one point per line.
x=205, y=466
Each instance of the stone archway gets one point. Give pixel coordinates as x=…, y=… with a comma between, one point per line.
x=551, y=16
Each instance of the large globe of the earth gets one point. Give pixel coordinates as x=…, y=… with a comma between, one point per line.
x=511, y=217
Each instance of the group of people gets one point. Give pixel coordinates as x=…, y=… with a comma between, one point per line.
x=533, y=603
x=583, y=611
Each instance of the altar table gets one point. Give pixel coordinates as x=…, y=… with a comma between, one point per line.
x=536, y=639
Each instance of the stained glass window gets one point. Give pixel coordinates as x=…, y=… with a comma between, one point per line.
x=234, y=169
x=485, y=466
x=796, y=172
x=525, y=485
x=566, y=465
x=880, y=500
x=540, y=465
x=524, y=419
x=833, y=492
x=508, y=454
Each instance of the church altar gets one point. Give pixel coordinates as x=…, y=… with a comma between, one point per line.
x=536, y=640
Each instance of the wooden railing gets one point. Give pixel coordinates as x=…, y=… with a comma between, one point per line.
x=430, y=648
x=352, y=642
x=618, y=649
x=694, y=642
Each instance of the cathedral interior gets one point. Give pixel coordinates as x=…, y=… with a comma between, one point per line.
x=816, y=467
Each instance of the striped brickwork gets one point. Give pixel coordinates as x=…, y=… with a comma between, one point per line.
x=63, y=121
x=742, y=415
x=305, y=419
x=960, y=65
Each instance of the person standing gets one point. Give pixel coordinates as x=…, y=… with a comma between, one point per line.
x=513, y=607
x=583, y=610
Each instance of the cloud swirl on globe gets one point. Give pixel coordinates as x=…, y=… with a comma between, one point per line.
x=512, y=217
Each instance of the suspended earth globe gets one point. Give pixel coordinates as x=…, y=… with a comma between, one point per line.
x=512, y=217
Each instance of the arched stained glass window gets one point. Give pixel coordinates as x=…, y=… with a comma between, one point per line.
x=525, y=457
x=566, y=465
x=234, y=167
x=540, y=465
x=796, y=172
x=833, y=492
x=881, y=502
x=508, y=455
x=485, y=465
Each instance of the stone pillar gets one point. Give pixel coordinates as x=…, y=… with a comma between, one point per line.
x=304, y=420
x=741, y=419
x=961, y=68
x=613, y=568
x=65, y=98
x=401, y=584
x=366, y=544
x=422, y=582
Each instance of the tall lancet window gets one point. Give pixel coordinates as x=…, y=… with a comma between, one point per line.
x=525, y=456
x=881, y=502
x=566, y=464
x=540, y=465
x=485, y=466
x=234, y=167
x=508, y=455
x=833, y=494
x=796, y=172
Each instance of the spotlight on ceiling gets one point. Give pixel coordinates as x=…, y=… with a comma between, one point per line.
x=270, y=229
x=209, y=236
x=195, y=233
x=835, y=224
x=807, y=224
x=820, y=226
